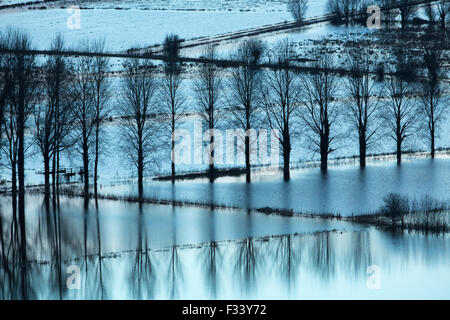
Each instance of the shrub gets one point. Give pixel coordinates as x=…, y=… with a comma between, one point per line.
x=395, y=207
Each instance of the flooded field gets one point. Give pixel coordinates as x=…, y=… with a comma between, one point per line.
x=97, y=100
x=127, y=251
x=345, y=190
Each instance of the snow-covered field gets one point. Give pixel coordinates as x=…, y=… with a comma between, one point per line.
x=181, y=5
x=9, y=2
x=315, y=7
x=143, y=23
x=124, y=29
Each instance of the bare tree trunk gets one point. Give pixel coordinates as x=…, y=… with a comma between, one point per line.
x=140, y=172
x=173, y=163
x=403, y=17
x=86, y=168
x=97, y=129
x=323, y=154
x=325, y=143
x=14, y=182
x=21, y=179
x=212, y=171
x=47, y=176
x=399, y=149
x=54, y=174
x=247, y=159
x=21, y=171
x=57, y=172
x=362, y=150
x=173, y=148
x=247, y=146
x=286, y=157
x=433, y=147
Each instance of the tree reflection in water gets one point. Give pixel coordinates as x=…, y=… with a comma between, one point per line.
x=287, y=266
x=174, y=264
x=141, y=276
x=15, y=278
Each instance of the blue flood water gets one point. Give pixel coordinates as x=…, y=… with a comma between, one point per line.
x=344, y=190
x=127, y=251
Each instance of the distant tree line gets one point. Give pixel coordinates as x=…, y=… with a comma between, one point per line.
x=347, y=11
x=63, y=104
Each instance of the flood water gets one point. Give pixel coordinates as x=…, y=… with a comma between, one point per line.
x=344, y=190
x=131, y=251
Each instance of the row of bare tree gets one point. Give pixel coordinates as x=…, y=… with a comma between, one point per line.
x=64, y=102
x=312, y=105
x=61, y=105
x=436, y=11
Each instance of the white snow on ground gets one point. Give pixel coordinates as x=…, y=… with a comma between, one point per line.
x=298, y=35
x=7, y=2
x=142, y=23
x=183, y=5
x=315, y=7
x=124, y=29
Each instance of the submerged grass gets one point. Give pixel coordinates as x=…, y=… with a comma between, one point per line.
x=400, y=212
x=397, y=212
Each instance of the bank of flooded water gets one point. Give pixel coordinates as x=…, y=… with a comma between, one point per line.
x=122, y=250
x=345, y=190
